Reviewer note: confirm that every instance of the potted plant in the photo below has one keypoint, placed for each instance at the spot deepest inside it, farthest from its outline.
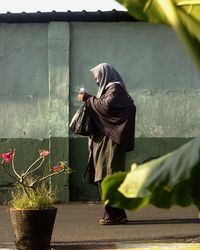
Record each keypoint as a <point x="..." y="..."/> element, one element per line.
<point x="32" y="212"/>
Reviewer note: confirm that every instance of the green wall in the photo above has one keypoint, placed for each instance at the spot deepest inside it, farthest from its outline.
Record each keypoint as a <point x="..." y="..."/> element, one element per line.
<point x="160" y="77"/>
<point x="34" y="90"/>
<point x="43" y="66"/>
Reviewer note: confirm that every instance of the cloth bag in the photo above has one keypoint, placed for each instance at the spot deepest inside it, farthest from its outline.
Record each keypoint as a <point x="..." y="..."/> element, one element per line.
<point x="81" y="123"/>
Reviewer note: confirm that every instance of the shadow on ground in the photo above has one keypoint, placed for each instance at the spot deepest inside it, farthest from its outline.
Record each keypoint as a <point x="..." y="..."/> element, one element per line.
<point x="168" y="221"/>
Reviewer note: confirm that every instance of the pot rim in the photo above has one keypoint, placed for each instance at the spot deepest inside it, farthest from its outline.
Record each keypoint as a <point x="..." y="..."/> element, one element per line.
<point x="50" y="208"/>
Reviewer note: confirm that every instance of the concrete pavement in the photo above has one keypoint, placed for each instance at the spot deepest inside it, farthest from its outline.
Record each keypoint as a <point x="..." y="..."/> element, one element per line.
<point x="77" y="227"/>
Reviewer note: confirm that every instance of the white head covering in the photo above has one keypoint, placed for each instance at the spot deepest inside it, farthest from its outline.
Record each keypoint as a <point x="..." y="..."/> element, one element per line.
<point x="107" y="76"/>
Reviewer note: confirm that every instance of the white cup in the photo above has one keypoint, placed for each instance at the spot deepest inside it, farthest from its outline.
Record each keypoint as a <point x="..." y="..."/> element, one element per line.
<point x="82" y="90"/>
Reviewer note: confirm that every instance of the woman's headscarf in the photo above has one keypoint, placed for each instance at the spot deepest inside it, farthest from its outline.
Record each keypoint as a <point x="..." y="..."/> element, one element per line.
<point x="107" y="75"/>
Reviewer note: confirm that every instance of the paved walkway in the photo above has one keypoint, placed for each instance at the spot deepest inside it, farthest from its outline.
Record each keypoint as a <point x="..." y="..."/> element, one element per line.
<point x="76" y="227"/>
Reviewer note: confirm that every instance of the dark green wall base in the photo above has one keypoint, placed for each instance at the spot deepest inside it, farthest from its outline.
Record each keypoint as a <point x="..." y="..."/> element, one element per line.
<point x="73" y="187"/>
<point x="145" y="148"/>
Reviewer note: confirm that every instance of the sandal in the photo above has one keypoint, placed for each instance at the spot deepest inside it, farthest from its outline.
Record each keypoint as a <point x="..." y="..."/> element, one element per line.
<point x="114" y="221"/>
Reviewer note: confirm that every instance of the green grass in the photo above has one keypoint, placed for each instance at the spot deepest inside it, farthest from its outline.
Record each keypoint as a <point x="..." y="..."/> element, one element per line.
<point x="41" y="198"/>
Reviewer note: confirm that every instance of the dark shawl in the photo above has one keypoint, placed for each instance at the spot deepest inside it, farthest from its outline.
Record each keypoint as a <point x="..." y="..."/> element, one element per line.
<point x="113" y="110"/>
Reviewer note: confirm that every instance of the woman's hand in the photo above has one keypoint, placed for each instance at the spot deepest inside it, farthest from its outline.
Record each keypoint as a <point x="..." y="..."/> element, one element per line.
<point x="83" y="96"/>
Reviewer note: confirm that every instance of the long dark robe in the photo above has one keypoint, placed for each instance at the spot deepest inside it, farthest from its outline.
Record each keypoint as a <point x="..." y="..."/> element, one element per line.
<point x="114" y="115"/>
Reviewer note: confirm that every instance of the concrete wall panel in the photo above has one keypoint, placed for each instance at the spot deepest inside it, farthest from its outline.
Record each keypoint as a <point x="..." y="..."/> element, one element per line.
<point x="42" y="67"/>
<point x="159" y="76"/>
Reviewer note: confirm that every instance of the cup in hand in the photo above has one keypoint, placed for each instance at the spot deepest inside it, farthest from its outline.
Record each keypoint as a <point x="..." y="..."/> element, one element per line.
<point x="82" y="90"/>
<point x="81" y="94"/>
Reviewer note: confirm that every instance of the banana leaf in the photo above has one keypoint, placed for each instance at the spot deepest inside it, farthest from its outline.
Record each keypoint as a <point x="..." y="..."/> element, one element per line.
<point x="182" y="15"/>
<point x="172" y="179"/>
<point x="112" y="197"/>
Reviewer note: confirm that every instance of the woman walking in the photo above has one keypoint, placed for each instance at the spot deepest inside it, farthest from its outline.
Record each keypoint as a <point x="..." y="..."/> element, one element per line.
<point x="113" y="113"/>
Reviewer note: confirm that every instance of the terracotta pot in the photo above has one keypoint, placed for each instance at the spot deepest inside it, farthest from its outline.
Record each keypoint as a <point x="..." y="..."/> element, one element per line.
<point x="33" y="228"/>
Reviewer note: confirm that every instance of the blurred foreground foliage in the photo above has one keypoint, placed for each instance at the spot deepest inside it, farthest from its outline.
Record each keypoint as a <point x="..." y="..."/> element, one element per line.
<point x="174" y="178"/>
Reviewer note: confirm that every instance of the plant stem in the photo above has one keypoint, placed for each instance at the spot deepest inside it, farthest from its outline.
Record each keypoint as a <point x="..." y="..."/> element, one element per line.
<point x="46" y="177"/>
<point x="32" y="165"/>
<point x="13" y="167"/>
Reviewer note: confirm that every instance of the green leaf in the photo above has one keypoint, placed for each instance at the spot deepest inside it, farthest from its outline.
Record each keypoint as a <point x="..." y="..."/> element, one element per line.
<point x="190" y="7"/>
<point x="163" y="198"/>
<point x="182" y="16"/>
<point x="112" y="197"/>
<point x="135" y="184"/>
<point x="135" y="8"/>
<point x="167" y="178"/>
<point x="153" y="10"/>
<point x="172" y="179"/>
<point x="186" y="27"/>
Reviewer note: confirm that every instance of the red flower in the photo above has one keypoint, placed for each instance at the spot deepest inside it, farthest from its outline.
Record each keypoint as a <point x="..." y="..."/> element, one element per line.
<point x="56" y="168"/>
<point x="44" y="152"/>
<point x="8" y="157"/>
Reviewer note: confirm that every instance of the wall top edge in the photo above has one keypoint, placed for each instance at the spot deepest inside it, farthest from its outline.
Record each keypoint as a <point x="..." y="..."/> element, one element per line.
<point x="68" y="16"/>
